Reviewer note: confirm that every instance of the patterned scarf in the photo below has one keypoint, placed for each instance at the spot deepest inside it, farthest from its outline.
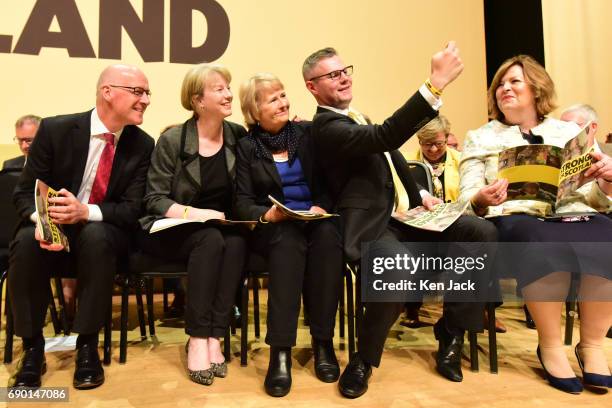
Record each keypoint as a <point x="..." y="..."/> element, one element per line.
<point x="437" y="169"/>
<point x="267" y="144"/>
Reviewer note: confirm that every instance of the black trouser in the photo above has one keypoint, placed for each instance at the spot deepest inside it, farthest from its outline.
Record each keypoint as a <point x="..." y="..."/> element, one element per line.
<point x="300" y="256"/>
<point x="380" y="316"/>
<point x="215" y="260"/>
<point x="94" y="250"/>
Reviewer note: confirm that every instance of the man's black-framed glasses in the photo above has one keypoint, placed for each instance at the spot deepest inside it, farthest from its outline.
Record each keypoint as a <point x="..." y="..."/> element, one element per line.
<point x="136" y="90"/>
<point x="334" y="75"/>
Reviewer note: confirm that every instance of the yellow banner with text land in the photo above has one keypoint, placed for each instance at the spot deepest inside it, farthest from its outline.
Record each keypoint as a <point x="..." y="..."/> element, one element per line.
<point x="52" y="51"/>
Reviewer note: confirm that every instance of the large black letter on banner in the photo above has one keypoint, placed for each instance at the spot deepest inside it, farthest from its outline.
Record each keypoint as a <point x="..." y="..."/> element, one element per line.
<point x="217" y="38"/>
<point x="147" y="35"/>
<point x="72" y="35"/>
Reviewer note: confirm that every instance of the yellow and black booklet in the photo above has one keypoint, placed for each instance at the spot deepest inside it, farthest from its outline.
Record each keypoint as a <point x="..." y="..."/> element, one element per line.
<point x="546" y="173"/>
<point x="49" y="231"/>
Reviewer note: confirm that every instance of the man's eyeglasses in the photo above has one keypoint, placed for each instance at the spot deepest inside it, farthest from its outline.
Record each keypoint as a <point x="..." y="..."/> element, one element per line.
<point x="136" y="90"/>
<point x="334" y="75"/>
<point x="438" y="145"/>
<point x="19" y="141"/>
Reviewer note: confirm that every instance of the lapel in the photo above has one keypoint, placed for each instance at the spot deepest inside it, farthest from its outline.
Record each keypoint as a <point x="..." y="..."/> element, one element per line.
<point x="189" y="153"/>
<point x="272" y="171"/>
<point x="229" y="144"/>
<point x="303" y="152"/>
<point x="122" y="154"/>
<point x="80" y="148"/>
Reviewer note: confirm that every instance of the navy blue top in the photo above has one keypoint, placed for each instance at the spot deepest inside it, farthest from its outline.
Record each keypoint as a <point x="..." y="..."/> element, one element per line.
<point x="296" y="191"/>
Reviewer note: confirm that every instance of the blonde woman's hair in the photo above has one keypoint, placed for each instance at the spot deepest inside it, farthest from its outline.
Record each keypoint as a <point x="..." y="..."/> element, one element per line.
<point x="195" y="80"/>
<point x="249" y="95"/>
<point x="430" y="131"/>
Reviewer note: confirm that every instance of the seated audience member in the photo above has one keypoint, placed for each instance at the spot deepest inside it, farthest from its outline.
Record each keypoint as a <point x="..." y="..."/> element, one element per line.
<point x="192" y="177"/>
<point x="443" y="163"/>
<point x="25" y="132"/>
<point x="100" y="176"/>
<point x="362" y="167"/>
<point x="277" y="159"/>
<point x="453" y="142"/>
<point x="581" y="114"/>
<point x="520" y="96"/>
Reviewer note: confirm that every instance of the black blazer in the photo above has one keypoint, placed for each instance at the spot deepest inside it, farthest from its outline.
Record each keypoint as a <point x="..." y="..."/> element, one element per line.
<point x="16" y="163"/>
<point x="174" y="175"/>
<point x="256" y="178"/>
<point x="58" y="157"/>
<point x="358" y="174"/>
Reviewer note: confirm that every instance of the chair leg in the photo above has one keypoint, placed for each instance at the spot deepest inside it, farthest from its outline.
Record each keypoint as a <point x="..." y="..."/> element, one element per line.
<point x="62" y="304"/>
<point x="350" y="307"/>
<point x="341" y="311"/>
<point x="54" y="316"/>
<point x="570" y="307"/>
<point x="140" y="309"/>
<point x="358" y="304"/>
<point x="150" y="311"/>
<point x="492" y="339"/>
<point x="165" y="298"/>
<point x="256" y="306"/>
<point x="125" y="294"/>
<point x="8" y="344"/>
<point x="473" y="339"/>
<point x="107" y="335"/>
<point x="244" y="322"/>
<point x="227" y="350"/>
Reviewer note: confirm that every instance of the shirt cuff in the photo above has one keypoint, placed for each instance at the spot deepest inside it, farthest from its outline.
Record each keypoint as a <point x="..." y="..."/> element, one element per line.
<point x="34" y="217"/>
<point x="432" y="100"/>
<point x="423" y="193"/>
<point x="95" y="213"/>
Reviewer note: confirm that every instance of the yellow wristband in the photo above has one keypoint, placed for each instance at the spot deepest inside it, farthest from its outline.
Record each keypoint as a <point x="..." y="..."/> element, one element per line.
<point x="432" y="89"/>
<point x="185" y="211"/>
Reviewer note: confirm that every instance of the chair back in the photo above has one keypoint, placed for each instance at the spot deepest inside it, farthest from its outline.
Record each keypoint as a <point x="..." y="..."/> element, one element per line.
<point x="8" y="214"/>
<point x="421" y="174"/>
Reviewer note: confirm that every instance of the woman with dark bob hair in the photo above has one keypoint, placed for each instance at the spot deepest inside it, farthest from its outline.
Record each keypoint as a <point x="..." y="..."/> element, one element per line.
<point x="277" y="159"/>
<point x="520" y="96"/>
<point x="192" y="177"/>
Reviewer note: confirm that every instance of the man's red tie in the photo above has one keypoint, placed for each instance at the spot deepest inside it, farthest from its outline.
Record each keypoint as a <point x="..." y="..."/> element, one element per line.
<point x="105" y="165"/>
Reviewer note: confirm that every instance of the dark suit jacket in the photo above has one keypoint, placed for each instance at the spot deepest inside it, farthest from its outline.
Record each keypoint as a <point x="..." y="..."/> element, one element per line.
<point x="58" y="157"/>
<point x="174" y="176"/>
<point x="16" y="163"/>
<point x="257" y="178"/>
<point x="358" y="174"/>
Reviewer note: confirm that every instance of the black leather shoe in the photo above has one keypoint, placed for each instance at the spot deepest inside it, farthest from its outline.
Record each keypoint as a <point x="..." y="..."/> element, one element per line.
<point x="528" y="320"/>
<point x="88" y="372"/>
<point x="354" y="380"/>
<point x="31" y="367"/>
<point x="448" y="360"/>
<point x="327" y="368"/>
<point x="278" y="378"/>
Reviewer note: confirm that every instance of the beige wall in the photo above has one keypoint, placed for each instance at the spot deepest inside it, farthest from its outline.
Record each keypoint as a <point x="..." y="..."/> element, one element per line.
<point x="390" y="42"/>
<point x="577" y="36"/>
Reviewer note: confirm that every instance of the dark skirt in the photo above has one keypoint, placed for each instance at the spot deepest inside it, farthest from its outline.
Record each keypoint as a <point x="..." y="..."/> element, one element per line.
<point x="543" y="247"/>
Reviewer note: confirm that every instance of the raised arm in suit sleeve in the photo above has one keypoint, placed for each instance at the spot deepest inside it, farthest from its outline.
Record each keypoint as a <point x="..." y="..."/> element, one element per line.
<point x="341" y="136"/>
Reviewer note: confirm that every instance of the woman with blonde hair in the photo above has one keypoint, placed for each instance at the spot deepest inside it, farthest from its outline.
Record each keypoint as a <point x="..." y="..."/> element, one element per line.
<point x="192" y="177"/>
<point x="520" y="96"/>
<point x="277" y="159"/>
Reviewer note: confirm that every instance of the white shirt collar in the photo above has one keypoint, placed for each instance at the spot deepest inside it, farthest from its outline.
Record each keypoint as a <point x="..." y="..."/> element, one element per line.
<point x="98" y="128"/>
<point x="340" y="111"/>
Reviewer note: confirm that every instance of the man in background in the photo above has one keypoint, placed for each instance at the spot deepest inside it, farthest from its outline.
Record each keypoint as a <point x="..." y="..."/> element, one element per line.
<point x="25" y="131"/>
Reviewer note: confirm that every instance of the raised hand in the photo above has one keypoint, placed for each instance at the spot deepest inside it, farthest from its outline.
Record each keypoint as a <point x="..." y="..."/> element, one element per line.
<point x="446" y="66"/>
